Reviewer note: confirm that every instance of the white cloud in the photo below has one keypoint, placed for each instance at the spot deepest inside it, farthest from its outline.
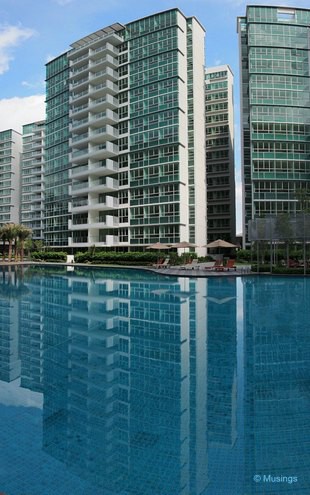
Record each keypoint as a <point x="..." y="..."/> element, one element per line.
<point x="16" y="112"/>
<point x="10" y="37"/>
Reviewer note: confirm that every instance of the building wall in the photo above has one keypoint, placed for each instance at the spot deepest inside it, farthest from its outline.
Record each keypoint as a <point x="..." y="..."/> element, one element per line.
<point x="32" y="179"/>
<point x="274" y="48"/>
<point x="220" y="154"/>
<point x="135" y="146"/>
<point x="10" y="150"/>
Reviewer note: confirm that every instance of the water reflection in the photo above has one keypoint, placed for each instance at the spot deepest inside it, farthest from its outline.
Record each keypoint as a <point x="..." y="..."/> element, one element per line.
<point x="152" y="385"/>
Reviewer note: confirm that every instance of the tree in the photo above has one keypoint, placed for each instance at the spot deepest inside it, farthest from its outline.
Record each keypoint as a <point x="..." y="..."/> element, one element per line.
<point x="22" y="234"/>
<point x="303" y="197"/>
<point x="2" y="236"/>
<point x="9" y="232"/>
<point x="284" y="231"/>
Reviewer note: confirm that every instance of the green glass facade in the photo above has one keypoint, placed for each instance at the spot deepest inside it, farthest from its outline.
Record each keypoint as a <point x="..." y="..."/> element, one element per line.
<point x="275" y="94"/>
<point x="154" y="128"/>
<point x="56" y="173"/>
<point x="220" y="154"/>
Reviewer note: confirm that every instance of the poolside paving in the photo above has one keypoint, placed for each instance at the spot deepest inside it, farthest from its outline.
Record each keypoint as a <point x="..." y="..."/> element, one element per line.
<point x="174" y="271"/>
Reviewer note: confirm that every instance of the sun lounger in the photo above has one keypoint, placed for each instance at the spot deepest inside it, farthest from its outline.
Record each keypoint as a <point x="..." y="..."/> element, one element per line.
<point x="158" y="264"/>
<point x="191" y="266"/>
<point x="209" y="265"/>
<point x="218" y="266"/>
<point x="230" y="265"/>
<point x="165" y="264"/>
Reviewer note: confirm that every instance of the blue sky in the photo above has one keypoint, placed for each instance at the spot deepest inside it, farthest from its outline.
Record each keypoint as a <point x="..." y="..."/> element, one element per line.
<point x="34" y="31"/>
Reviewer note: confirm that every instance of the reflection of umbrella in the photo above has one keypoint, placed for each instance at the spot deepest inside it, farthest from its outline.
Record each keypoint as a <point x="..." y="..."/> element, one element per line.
<point x="220" y="243"/>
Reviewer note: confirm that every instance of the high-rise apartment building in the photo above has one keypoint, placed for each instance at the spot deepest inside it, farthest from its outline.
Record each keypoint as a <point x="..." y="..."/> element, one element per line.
<point x="56" y="155"/>
<point x="275" y="114"/>
<point x="130" y="168"/>
<point x="32" y="194"/>
<point x="220" y="154"/>
<point x="10" y="150"/>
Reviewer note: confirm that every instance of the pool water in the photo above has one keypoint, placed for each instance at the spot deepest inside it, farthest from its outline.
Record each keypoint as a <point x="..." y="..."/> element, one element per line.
<point x="127" y="382"/>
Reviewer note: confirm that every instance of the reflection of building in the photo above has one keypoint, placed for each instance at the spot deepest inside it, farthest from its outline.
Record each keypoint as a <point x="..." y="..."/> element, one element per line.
<point x="134" y="94"/>
<point x="130" y="386"/>
<point x="220" y="154"/>
<point x="222" y="361"/>
<point x="123" y="373"/>
<point x="9" y="326"/>
<point x="31" y="337"/>
<point x="274" y="73"/>
<point x="222" y="384"/>
<point x="276" y="401"/>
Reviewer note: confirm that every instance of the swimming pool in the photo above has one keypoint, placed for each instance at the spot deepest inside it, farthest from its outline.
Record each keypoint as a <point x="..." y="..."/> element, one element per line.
<point x="126" y="382"/>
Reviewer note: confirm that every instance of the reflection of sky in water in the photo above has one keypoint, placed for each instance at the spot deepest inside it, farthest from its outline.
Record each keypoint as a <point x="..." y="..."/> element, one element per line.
<point x="137" y="383"/>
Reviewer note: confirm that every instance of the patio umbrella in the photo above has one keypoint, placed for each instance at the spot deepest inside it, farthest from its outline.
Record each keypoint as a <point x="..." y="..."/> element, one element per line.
<point x="183" y="244"/>
<point x="220" y="243"/>
<point x="159" y="246"/>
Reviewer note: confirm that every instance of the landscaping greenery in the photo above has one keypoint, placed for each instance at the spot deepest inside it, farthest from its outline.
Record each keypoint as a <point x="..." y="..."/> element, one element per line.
<point x="49" y="256"/>
<point x="13" y="237"/>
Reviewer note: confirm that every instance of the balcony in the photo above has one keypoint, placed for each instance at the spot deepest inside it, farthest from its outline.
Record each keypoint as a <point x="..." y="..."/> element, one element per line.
<point x="109" y="222"/>
<point x="110" y="240"/>
<point x="79" y="155"/>
<point x="104" y="133"/>
<point x="79" y="70"/>
<point x="104" y="167"/>
<point x="106" y="61"/>
<point x="79" y="82"/>
<point x="78" y="96"/>
<point x="103" y="88"/>
<point x="105" y="150"/>
<point x="78" y="61"/>
<point x="106" y="48"/>
<point x="100" y="152"/>
<point x="76" y="124"/>
<point x="78" y="110"/>
<point x="83" y="206"/>
<point x="95" y="186"/>
<point x="100" y="104"/>
<point x="78" y="138"/>
<point x="103" y="75"/>
<point x="106" y="117"/>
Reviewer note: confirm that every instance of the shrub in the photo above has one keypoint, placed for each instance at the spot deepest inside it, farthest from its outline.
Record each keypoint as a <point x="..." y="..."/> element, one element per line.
<point x="243" y="255"/>
<point x="49" y="255"/>
<point x="279" y="270"/>
<point x="127" y="258"/>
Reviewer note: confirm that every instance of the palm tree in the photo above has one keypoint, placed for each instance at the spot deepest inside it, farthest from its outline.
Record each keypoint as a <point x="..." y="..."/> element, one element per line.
<point x="2" y="236"/>
<point x="22" y="234"/>
<point x="9" y="233"/>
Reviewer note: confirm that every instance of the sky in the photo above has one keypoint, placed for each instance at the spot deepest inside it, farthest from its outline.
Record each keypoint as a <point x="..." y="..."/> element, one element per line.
<point x="32" y="32"/>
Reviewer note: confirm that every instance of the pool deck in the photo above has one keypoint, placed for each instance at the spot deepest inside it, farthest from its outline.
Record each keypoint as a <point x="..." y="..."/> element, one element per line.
<point x="200" y="272"/>
<point x="173" y="271"/>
